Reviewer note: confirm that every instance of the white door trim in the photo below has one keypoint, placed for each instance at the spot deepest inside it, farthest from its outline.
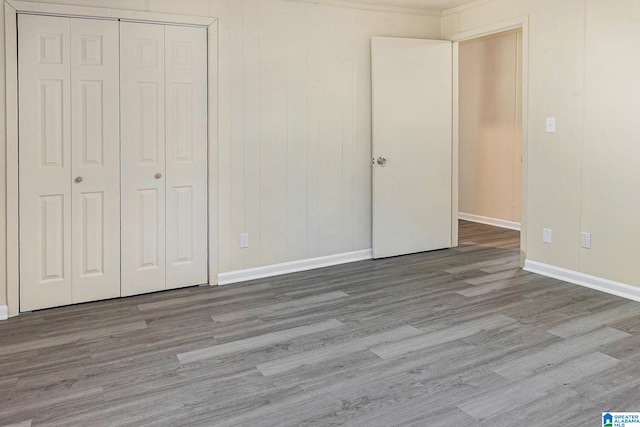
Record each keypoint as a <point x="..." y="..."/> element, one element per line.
<point x="9" y="218"/>
<point x="513" y="24"/>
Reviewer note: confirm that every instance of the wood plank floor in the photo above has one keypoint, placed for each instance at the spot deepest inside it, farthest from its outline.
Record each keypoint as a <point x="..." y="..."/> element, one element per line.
<point x="453" y="337"/>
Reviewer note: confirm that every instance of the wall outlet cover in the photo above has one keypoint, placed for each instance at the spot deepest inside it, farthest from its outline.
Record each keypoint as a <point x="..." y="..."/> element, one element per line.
<point x="244" y="240"/>
<point x="585" y="240"/>
<point x="546" y="235"/>
<point x="551" y="124"/>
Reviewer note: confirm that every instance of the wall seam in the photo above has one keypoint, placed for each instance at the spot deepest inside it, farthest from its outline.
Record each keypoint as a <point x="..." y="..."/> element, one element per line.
<point x="286" y="120"/>
<point x="515" y="127"/>
<point x="584" y="116"/>
<point x="244" y="134"/>
<point x="259" y="189"/>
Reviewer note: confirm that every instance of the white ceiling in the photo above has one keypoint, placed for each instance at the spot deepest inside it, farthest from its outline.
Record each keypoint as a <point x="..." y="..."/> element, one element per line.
<point x="435" y="5"/>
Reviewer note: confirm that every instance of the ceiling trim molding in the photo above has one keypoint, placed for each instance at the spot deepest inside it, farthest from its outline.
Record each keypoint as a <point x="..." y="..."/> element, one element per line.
<point x="465" y="7"/>
<point x="32" y="7"/>
<point x="374" y="7"/>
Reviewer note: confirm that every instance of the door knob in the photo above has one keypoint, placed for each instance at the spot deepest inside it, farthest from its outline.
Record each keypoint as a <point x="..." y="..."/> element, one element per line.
<point x="381" y="161"/>
<point x="158" y="175"/>
<point x="78" y="180"/>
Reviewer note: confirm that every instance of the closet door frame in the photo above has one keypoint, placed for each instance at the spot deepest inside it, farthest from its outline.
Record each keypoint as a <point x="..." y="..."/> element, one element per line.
<point x="9" y="217"/>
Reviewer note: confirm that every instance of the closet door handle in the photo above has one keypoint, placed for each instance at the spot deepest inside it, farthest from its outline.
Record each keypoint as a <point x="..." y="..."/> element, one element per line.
<point x="158" y="175"/>
<point x="78" y="180"/>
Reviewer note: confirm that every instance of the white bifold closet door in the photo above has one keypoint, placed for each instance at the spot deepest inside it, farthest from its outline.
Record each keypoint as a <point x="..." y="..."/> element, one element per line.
<point x="164" y="157"/>
<point x="69" y="161"/>
<point x="112" y="159"/>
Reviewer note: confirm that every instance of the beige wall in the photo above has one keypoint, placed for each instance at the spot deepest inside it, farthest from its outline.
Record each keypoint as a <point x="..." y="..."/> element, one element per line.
<point x="295" y="113"/>
<point x="296" y="127"/>
<point x="583" y="70"/>
<point x="490" y="125"/>
<point x="611" y="150"/>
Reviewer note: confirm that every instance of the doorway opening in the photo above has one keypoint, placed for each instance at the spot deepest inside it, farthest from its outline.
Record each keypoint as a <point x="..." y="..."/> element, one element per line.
<point x="490" y="136"/>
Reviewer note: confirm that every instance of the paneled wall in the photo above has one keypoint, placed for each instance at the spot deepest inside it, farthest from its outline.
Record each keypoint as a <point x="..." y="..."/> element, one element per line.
<point x="295" y="119"/>
<point x="296" y="134"/>
<point x="611" y="153"/>
<point x="490" y="126"/>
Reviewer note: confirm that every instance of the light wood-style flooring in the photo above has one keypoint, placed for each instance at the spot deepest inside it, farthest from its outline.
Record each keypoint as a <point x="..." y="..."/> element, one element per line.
<point x="459" y="337"/>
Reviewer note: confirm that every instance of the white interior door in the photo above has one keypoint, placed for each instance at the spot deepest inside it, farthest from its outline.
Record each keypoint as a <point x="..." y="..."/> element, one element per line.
<point x="186" y="183"/>
<point x="69" y="161"/>
<point x="412" y="145"/>
<point x="45" y="162"/>
<point x="142" y="95"/>
<point x="164" y="157"/>
<point x="95" y="160"/>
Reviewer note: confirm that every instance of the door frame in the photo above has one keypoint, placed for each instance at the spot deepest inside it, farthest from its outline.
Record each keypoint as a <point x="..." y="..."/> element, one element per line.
<point x="521" y="23"/>
<point x="11" y="218"/>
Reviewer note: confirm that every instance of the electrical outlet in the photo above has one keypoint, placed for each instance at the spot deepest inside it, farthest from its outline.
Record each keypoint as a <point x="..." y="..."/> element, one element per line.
<point x="244" y="240"/>
<point x="585" y="240"/>
<point x="546" y="235"/>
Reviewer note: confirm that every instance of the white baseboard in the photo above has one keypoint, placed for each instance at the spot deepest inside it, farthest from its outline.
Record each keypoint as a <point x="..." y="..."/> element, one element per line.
<point x="4" y="312"/>
<point x="292" y="267"/>
<point x="603" y="285"/>
<point x="490" y="221"/>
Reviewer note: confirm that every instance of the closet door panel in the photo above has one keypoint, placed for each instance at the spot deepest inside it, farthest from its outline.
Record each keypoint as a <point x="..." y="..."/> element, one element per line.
<point x="45" y="162"/>
<point x="95" y="113"/>
<point x="142" y="97"/>
<point x="186" y="121"/>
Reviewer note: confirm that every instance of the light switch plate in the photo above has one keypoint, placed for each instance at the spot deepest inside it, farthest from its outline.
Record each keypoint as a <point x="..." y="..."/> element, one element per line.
<point x="551" y="124"/>
<point x="546" y="235"/>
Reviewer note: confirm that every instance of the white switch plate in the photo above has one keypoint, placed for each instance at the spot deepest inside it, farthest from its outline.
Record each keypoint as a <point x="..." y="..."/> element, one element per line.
<point x="244" y="240"/>
<point x="585" y="240"/>
<point x="546" y="235"/>
<point x="551" y="124"/>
